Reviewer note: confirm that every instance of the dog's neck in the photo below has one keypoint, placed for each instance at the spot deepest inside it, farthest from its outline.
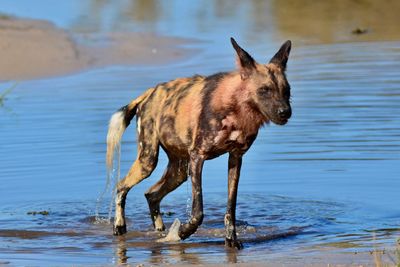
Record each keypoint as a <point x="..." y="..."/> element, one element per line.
<point x="234" y="94"/>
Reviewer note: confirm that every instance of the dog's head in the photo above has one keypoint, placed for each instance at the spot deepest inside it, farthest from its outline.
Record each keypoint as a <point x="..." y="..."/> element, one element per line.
<point x="267" y="85"/>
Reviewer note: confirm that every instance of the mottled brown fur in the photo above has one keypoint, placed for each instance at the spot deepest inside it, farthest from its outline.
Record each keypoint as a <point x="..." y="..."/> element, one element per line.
<point x="199" y="118"/>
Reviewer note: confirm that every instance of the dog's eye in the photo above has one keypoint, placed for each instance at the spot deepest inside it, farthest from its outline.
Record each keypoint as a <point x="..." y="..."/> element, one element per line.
<point x="264" y="91"/>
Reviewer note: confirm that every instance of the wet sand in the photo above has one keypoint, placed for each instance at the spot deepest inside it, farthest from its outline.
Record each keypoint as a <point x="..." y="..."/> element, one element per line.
<point x="32" y="49"/>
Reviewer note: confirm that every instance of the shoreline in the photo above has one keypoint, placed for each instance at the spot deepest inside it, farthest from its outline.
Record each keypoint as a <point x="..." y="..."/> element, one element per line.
<point x="32" y="49"/>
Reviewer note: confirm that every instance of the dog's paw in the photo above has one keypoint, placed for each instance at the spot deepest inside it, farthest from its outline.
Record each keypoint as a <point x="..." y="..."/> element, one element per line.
<point x="119" y="229"/>
<point x="160" y="229"/>
<point x="233" y="243"/>
<point x="173" y="232"/>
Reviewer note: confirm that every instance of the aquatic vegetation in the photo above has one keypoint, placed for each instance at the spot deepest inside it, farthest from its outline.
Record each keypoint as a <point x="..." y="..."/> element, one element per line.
<point x="359" y="31"/>
<point x="5" y="93"/>
<point x="4" y="16"/>
<point x="387" y="257"/>
<point x="43" y="212"/>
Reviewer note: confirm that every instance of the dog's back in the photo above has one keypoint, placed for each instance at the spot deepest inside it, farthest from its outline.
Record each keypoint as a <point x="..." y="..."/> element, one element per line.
<point x="172" y="111"/>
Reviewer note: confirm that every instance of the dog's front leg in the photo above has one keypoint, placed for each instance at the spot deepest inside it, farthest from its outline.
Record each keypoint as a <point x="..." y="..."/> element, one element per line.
<point x="234" y="165"/>
<point x="196" y="166"/>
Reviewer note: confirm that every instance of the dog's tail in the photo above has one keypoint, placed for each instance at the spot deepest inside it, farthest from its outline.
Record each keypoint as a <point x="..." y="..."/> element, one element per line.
<point x="119" y="121"/>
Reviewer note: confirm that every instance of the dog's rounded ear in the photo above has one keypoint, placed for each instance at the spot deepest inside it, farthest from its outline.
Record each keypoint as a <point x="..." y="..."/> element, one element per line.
<point x="244" y="61"/>
<point x="281" y="57"/>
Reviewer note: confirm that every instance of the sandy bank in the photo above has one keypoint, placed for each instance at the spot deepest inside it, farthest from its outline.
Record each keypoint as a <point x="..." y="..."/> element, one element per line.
<point x="33" y="48"/>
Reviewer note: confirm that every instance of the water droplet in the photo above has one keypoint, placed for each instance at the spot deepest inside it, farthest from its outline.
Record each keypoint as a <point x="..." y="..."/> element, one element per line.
<point x="189" y="198"/>
<point x="113" y="177"/>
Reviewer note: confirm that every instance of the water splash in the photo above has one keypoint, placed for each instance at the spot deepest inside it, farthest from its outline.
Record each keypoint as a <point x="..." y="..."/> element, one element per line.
<point x="173" y="232"/>
<point x="189" y="195"/>
<point x="117" y="178"/>
<point x="113" y="177"/>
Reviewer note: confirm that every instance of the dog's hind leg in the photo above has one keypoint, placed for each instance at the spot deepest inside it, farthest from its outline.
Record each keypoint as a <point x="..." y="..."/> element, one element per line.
<point x="173" y="177"/>
<point x="142" y="168"/>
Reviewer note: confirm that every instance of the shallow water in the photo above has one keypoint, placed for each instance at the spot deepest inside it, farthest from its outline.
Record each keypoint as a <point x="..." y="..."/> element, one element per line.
<point x="326" y="181"/>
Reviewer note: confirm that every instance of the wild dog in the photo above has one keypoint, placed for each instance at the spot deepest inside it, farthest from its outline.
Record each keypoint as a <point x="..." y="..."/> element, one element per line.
<point x="196" y="119"/>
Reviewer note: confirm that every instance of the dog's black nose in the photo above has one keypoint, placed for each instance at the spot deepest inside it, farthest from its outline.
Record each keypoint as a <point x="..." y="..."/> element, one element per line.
<point x="285" y="113"/>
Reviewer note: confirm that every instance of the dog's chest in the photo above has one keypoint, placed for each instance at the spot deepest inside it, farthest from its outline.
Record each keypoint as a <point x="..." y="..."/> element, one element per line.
<point x="234" y="134"/>
<point x="229" y="136"/>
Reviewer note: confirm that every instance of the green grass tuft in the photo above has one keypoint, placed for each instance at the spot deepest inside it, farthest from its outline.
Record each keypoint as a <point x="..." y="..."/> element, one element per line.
<point x="5" y="93"/>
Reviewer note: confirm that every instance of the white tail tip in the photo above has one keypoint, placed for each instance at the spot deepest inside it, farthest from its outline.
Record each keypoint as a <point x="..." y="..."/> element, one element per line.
<point x="114" y="135"/>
